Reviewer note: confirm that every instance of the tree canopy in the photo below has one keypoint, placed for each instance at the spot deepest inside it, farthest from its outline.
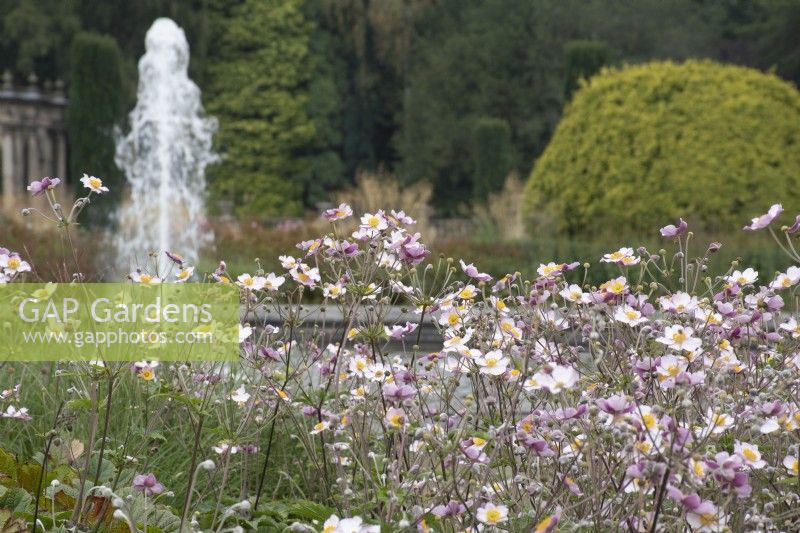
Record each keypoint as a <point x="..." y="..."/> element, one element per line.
<point x="258" y="75"/>
<point x="310" y="92"/>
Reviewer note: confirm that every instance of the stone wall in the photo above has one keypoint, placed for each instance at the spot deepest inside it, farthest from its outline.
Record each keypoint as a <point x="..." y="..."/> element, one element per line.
<point x="33" y="139"/>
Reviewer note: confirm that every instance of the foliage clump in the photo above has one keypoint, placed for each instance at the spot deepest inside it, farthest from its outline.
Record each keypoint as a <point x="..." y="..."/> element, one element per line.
<point x="583" y="59"/>
<point x="97" y="100"/>
<point x="257" y="88"/>
<point x="647" y="143"/>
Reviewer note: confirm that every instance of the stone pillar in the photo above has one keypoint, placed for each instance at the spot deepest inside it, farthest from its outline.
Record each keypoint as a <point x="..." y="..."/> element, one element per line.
<point x="45" y="142"/>
<point x="61" y="157"/>
<point x="20" y="163"/>
<point x="7" y="172"/>
<point x="34" y="169"/>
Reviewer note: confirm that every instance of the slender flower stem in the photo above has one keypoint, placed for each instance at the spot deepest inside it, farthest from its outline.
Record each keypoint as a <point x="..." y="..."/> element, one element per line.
<point x="105" y="429"/>
<point x="52" y="435"/>
<point x="187" y="502"/>
<point x="268" y="449"/>
<point x="76" y="513"/>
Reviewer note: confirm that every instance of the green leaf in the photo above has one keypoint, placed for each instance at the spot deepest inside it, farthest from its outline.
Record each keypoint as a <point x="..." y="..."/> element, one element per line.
<point x="12" y="524"/>
<point x="28" y="477"/>
<point x="79" y="404"/>
<point x="16" y="499"/>
<point x="275" y="509"/>
<point x="308" y="510"/>
<point x="8" y="465"/>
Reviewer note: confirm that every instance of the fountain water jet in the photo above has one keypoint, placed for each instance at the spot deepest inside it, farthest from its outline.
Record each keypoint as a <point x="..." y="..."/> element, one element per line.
<point x="165" y="154"/>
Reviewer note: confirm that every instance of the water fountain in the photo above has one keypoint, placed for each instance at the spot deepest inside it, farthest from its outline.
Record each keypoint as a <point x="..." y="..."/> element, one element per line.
<point x="165" y="154"/>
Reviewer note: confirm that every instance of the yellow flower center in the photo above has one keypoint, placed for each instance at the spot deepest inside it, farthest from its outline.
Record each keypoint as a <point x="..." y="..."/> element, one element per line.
<point x="491" y="361"/>
<point x="95" y="183"/>
<point x="649" y="420"/>
<point x="13" y="263"/>
<point x="493" y="516"/>
<point x="679" y="336"/>
<point x="373" y="221"/>
<point x="632" y="315"/>
<point x="145" y="278"/>
<point x="147" y="374"/>
<point x="616" y="287"/>
<point x="708" y="519"/>
<point x="749" y="454"/>
<point x="543" y="525"/>
<point x="396" y="420"/>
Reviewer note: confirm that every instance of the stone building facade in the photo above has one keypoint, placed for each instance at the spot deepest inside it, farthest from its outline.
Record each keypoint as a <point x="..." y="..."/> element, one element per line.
<point x="33" y="136"/>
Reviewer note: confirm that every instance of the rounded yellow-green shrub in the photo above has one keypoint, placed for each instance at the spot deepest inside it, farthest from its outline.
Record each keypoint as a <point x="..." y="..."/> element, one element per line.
<point x="642" y="145"/>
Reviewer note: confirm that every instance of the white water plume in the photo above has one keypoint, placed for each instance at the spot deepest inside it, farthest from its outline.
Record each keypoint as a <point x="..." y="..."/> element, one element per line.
<point x="165" y="154"/>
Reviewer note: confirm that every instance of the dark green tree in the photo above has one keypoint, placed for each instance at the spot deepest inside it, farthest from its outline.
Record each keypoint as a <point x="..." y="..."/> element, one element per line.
<point x="491" y="156"/>
<point x="97" y="104"/>
<point x="324" y="168"/>
<point x="583" y="59"/>
<point x="776" y="33"/>
<point x="35" y="36"/>
<point x="375" y="40"/>
<point x="129" y="21"/>
<point x="257" y="86"/>
<point x="497" y="58"/>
